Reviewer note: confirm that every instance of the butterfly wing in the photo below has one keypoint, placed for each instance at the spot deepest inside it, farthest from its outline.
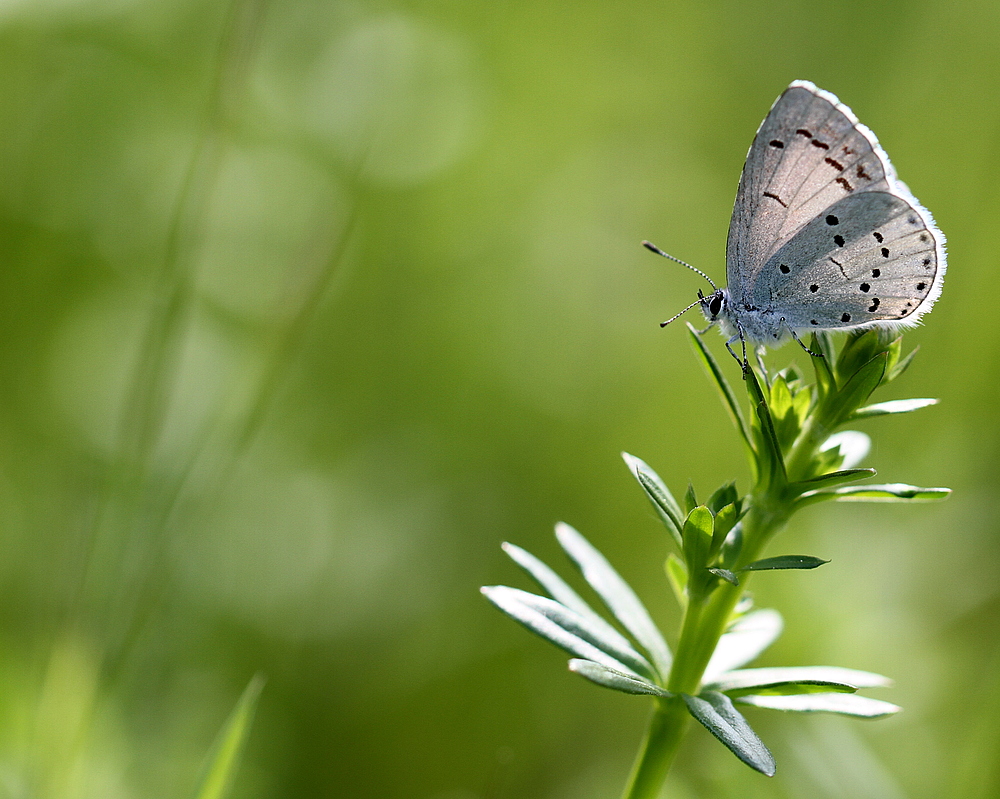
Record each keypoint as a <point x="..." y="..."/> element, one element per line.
<point x="811" y="161"/>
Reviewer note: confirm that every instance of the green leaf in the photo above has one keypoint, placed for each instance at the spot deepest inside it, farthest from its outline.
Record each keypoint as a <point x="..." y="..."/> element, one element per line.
<point x="770" y="449"/>
<point x="901" y="366"/>
<point x="678" y="576"/>
<point x="844" y="704"/>
<point x="859" y="348"/>
<point x="890" y="492"/>
<point x="748" y="679"/>
<point x="616" y="680"/>
<point x="783" y="412"/>
<point x="784" y="562"/>
<point x="724" y="495"/>
<point x="697" y="536"/>
<point x="664" y="504"/>
<point x="858" y="389"/>
<point x="564" y="628"/>
<point x="834" y="478"/>
<point x="892" y="406"/>
<point x="726" y="575"/>
<point x="746" y="638"/>
<point x="549" y="580"/>
<point x="224" y="757"/>
<point x="826" y="383"/>
<point x="567" y="597"/>
<point x="728" y="397"/>
<point x="690" y="500"/>
<point x="716" y="712"/>
<point x="617" y="595"/>
<point x="725" y="520"/>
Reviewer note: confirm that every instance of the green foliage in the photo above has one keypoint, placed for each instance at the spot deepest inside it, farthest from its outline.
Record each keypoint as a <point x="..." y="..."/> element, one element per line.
<point x="797" y="457"/>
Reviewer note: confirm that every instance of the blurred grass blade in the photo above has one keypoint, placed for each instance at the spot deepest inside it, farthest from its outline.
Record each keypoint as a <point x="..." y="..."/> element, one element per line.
<point x="784" y="562"/>
<point x="666" y="506"/>
<point x="743" y="641"/>
<point x="224" y="757"/>
<point x="892" y="406"/>
<point x="566" y="629"/>
<point x="853" y="679"/>
<point x="728" y="397"/>
<point x="617" y="595"/>
<point x="890" y="492"/>
<point x="562" y="593"/>
<point x="834" y="478"/>
<point x="716" y="712"/>
<point x="616" y="680"/>
<point x="844" y="704"/>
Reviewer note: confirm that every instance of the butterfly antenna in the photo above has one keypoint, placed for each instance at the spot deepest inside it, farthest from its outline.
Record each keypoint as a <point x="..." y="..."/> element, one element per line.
<point x="658" y="251"/>
<point x="677" y="315"/>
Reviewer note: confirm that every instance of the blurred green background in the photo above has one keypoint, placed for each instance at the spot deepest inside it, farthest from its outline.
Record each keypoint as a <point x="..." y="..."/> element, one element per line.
<point x="306" y="306"/>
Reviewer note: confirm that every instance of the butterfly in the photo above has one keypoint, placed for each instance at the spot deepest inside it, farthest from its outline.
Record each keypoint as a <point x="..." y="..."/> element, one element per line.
<point x="823" y="235"/>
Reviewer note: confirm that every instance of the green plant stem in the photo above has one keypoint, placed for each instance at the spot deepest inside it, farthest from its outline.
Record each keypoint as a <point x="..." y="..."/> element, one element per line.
<point x="667" y="728"/>
<point x="705" y="620"/>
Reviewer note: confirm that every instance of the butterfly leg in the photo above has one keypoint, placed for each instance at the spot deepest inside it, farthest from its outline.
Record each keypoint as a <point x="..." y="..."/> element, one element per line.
<point x="742" y="362"/>
<point x="799" y="342"/>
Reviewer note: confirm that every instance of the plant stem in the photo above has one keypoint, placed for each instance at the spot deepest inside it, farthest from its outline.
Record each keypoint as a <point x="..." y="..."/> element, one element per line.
<point x="705" y="620"/>
<point x="666" y="730"/>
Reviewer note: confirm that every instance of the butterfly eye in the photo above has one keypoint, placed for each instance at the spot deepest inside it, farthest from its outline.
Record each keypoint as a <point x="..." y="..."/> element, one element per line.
<point x="715" y="305"/>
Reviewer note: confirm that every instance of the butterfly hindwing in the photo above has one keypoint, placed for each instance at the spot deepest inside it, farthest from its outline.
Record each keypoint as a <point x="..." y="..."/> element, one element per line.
<point x="871" y="257"/>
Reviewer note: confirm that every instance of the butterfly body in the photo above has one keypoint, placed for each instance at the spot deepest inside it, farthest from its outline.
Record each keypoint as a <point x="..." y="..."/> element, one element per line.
<point x="823" y="235"/>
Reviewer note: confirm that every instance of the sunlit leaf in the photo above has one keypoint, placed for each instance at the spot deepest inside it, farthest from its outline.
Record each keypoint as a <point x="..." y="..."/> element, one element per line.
<point x="744" y="679"/>
<point x="831" y="479"/>
<point x="844" y="704"/>
<point x="566" y="629"/>
<point x="892" y="406"/>
<point x="664" y="504"/>
<point x="564" y="595"/>
<point x="617" y="595"/>
<point x="889" y="492"/>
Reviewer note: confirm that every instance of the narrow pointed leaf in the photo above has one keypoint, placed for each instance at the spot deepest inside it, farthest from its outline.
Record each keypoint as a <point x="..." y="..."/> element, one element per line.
<point x="556" y="587"/>
<point x="224" y="757"/>
<point x="664" y="504"/>
<point x="892" y="406"/>
<point x="567" y="629"/>
<point x="724" y="495"/>
<point x="831" y="479"/>
<point x="616" y="680"/>
<point x="784" y="562"/>
<point x="858" y="349"/>
<point x="617" y="595"/>
<point x="744" y="679"/>
<point x="844" y="704"/>
<point x="690" y="499"/>
<point x="826" y="383"/>
<point x="716" y="712"/>
<point x="890" y="492"/>
<point x="728" y="396"/>
<point x="562" y="593"/>
<point x="769" y="441"/>
<point x="902" y="365"/>
<point x="726" y="575"/>
<point x="743" y="641"/>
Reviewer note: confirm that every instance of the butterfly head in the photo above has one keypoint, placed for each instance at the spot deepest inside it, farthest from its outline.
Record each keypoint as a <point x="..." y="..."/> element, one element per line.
<point x="714" y="305"/>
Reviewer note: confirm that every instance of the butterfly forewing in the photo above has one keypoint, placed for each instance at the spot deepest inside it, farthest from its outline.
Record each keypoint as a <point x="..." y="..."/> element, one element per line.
<point x="809" y="153"/>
